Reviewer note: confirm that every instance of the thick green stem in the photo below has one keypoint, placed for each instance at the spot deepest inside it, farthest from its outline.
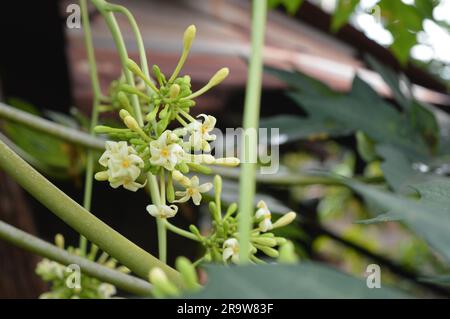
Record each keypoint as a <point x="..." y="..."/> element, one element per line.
<point x="87" y="200"/>
<point x="82" y="221"/>
<point x="71" y="135"/>
<point x="38" y="246"/>
<point x="247" y="183"/>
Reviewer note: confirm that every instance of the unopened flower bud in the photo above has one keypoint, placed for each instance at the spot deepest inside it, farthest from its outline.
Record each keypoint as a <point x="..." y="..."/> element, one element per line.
<point x="227" y="161"/>
<point x="287" y="254"/>
<point x="59" y="241"/>
<point x="101" y="176"/>
<point x="174" y="91"/>
<point x="269" y="251"/>
<point x="285" y="220"/>
<point x="189" y="36"/>
<point x="219" y="77"/>
<point x="265" y="241"/>
<point x="188" y="273"/>
<point x="162" y="286"/>
<point x="123" y="113"/>
<point x="131" y="123"/>
<point x="180" y="178"/>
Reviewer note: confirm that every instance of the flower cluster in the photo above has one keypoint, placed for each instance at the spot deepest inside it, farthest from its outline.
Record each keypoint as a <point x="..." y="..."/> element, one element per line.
<point x="64" y="281"/>
<point x="161" y="143"/>
<point x="222" y="244"/>
<point x="146" y="147"/>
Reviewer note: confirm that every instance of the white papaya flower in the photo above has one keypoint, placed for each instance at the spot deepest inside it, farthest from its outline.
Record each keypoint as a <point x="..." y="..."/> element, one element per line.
<point x="200" y="133"/>
<point x="124" y="166"/>
<point x="193" y="188"/>
<point x="231" y="250"/>
<point x="162" y="211"/>
<point x="263" y="212"/>
<point x="165" y="151"/>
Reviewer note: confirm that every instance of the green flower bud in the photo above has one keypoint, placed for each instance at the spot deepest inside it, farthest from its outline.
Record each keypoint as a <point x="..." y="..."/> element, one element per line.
<point x="101" y="129"/>
<point x="101" y="176"/>
<point x="59" y="241"/>
<point x="219" y="77"/>
<point x="200" y="168"/>
<point x="268" y="251"/>
<point x="93" y="252"/>
<point x="161" y="284"/>
<point x="152" y="115"/>
<point x="265" y="241"/>
<point x="123" y="113"/>
<point x="189" y="36"/>
<point x="188" y="273"/>
<point x="280" y="240"/>
<point x="124" y="102"/>
<point x="195" y="231"/>
<point x="214" y="211"/>
<point x="174" y="91"/>
<point x="159" y="75"/>
<point x="287" y="254"/>
<point x="131" y="123"/>
<point x="285" y="220"/>
<point x="231" y="210"/>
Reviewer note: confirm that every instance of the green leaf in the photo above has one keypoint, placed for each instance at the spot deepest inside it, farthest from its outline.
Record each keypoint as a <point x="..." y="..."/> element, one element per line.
<point x="429" y="217"/>
<point x="392" y="80"/>
<point x="306" y="280"/>
<point x="397" y="169"/>
<point x="343" y="12"/>
<point x="379" y="219"/>
<point x="424" y="121"/>
<point x="364" y="110"/>
<point x="293" y="128"/>
<point x="420" y="116"/>
<point x="301" y="82"/>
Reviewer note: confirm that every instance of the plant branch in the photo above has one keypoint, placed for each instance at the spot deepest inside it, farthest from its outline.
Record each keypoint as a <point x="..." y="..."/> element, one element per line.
<point x="38" y="246"/>
<point x="87" y="197"/>
<point x="116" y="245"/>
<point x="247" y="184"/>
<point x="35" y="122"/>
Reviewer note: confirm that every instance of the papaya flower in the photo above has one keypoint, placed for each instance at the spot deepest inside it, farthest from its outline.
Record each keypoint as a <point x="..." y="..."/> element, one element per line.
<point x="263" y="214"/>
<point x="123" y="166"/>
<point x="193" y="188"/>
<point x="165" y="151"/>
<point x="162" y="211"/>
<point x="231" y="250"/>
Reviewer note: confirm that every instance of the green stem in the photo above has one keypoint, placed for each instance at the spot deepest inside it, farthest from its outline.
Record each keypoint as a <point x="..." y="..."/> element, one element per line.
<point x="162" y="231"/>
<point x="42" y="125"/>
<point x="82" y="221"/>
<point x="97" y="94"/>
<point x="103" y="7"/>
<point x="116" y="34"/>
<point x="180" y="231"/>
<point x="294" y="179"/>
<point x="38" y="246"/>
<point x="247" y="183"/>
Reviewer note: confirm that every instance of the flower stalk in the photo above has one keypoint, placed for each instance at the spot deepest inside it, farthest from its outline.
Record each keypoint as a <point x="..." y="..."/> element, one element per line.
<point x="247" y="185"/>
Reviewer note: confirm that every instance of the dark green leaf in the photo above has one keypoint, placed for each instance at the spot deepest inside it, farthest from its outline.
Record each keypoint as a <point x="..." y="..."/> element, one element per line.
<point x="429" y="217"/>
<point x="306" y="280"/>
